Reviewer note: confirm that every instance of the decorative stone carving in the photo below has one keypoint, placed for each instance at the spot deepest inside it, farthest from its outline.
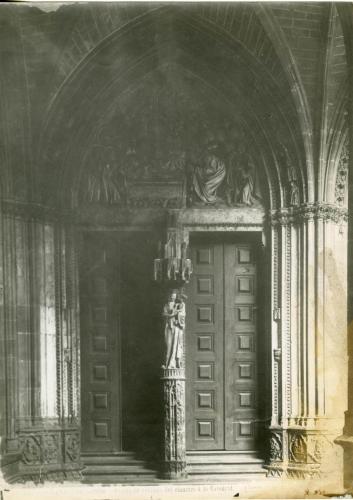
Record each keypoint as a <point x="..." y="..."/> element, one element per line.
<point x="149" y="202"/>
<point x="208" y="176"/>
<point x="107" y="183"/>
<point x="277" y="355"/>
<point x="50" y="448"/>
<point x="173" y="377"/>
<point x="174" y="318"/>
<point x="174" y="268"/>
<point x="294" y="193"/>
<point x="342" y="176"/>
<point x="31" y="450"/>
<point x="298" y="448"/>
<point x="172" y="265"/>
<point x="274" y="472"/>
<point x="300" y="453"/>
<point x="241" y="181"/>
<point x="40" y="449"/>
<point x="47" y="455"/>
<point x="275" y="452"/>
<point x="174" y="466"/>
<point x="306" y="473"/>
<point x="72" y="447"/>
<point x="222" y="177"/>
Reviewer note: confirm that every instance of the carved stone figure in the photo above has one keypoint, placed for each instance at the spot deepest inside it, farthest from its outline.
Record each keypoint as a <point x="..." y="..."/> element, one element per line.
<point x="342" y="177"/>
<point x="108" y="187"/>
<point x="247" y="179"/>
<point x="50" y="447"/>
<point x="208" y="176"/>
<point x="107" y="182"/>
<point x="275" y="448"/>
<point x="293" y="187"/>
<point x="174" y="316"/>
<point x="298" y="448"/>
<point x="31" y="451"/>
<point x="72" y="446"/>
<point x="241" y="180"/>
<point x="294" y="193"/>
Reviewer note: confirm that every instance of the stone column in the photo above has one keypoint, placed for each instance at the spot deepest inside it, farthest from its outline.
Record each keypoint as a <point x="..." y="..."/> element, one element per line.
<point x="309" y="366"/>
<point x="172" y="270"/>
<point x="40" y="434"/>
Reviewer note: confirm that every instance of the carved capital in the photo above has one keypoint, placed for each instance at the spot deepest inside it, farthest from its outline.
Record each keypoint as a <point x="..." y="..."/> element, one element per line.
<point x="308" y="211"/>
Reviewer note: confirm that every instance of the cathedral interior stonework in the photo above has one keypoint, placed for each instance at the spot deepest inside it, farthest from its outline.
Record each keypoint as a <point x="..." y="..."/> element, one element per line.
<point x="175" y="247"/>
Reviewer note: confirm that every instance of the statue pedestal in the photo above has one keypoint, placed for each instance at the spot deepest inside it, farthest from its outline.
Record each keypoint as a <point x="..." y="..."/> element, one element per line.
<point x="174" y="463"/>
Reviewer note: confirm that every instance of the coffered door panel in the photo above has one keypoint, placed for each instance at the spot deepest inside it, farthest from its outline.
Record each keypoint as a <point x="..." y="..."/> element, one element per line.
<point x="240" y="346"/>
<point x="100" y="354"/>
<point x="204" y="348"/>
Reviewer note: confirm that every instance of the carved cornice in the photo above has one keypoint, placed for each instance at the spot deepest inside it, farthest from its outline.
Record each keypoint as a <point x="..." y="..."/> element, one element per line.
<point x="306" y="212"/>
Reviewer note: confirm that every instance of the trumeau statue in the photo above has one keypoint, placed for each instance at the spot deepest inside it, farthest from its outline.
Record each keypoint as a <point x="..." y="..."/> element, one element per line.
<point x="174" y="317"/>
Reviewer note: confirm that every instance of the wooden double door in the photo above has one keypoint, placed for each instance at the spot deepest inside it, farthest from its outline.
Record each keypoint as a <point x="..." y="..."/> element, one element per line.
<point x="122" y="345"/>
<point x="222" y="389"/>
<point x="121" y="348"/>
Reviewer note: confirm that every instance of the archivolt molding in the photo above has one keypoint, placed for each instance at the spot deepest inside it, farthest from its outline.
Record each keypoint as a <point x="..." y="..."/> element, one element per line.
<point x="289" y="65"/>
<point x="337" y="151"/>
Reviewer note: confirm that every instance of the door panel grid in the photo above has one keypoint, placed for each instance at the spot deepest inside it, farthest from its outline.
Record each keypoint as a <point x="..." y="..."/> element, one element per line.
<point x="100" y="367"/>
<point x="221" y="347"/>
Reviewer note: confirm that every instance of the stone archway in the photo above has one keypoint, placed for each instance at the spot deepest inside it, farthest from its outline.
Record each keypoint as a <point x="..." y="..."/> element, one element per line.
<point x="229" y="81"/>
<point x="297" y="229"/>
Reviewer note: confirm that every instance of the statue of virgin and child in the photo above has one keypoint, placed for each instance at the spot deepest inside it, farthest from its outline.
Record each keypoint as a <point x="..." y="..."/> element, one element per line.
<point x="174" y="327"/>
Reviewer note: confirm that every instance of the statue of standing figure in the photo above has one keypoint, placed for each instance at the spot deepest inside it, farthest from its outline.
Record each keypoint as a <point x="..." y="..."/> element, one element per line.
<point x="174" y="317"/>
<point x="208" y="176"/>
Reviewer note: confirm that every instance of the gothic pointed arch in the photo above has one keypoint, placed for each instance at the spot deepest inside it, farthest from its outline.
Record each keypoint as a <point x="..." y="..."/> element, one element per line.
<point x="174" y="51"/>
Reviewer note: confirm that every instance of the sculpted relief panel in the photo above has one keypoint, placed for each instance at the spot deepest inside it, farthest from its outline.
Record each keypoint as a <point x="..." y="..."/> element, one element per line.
<point x="168" y="132"/>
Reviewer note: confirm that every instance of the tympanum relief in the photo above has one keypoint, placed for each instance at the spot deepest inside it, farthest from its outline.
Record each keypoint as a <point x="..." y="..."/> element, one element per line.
<point x="221" y="178"/>
<point x="167" y="131"/>
<point x="213" y="179"/>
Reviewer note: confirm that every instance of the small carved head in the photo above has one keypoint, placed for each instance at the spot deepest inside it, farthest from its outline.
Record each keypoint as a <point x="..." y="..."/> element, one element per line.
<point x="172" y="295"/>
